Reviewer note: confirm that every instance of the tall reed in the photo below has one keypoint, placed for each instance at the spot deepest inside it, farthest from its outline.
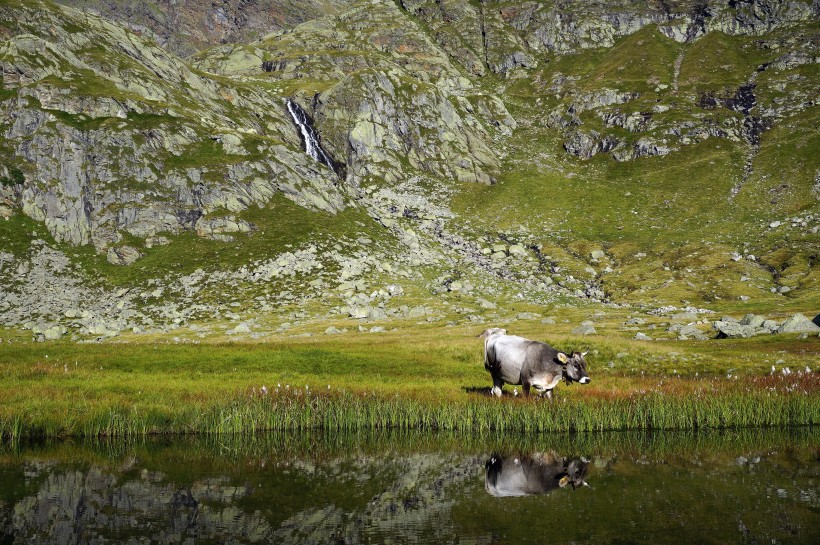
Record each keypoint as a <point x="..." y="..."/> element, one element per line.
<point x="351" y="411"/>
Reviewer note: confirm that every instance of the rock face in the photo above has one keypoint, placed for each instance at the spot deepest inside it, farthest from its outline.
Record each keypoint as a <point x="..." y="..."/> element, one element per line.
<point x="136" y="126"/>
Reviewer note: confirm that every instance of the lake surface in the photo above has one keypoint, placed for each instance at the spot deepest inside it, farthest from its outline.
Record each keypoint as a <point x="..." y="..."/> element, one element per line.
<point x="719" y="487"/>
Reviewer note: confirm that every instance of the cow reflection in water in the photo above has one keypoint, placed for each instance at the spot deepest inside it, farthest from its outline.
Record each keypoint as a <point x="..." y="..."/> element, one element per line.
<point x="527" y="475"/>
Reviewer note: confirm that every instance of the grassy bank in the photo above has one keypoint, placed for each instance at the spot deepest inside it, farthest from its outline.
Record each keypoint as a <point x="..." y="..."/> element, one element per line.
<point x="384" y="381"/>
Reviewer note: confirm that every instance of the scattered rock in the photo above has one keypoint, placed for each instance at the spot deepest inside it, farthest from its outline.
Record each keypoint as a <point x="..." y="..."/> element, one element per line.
<point x="642" y="337"/>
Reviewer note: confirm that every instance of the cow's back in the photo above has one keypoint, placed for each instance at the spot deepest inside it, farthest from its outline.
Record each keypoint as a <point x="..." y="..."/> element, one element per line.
<point x="510" y="353"/>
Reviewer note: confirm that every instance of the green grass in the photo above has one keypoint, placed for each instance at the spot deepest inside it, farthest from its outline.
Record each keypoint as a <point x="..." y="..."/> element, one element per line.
<point x="385" y="382"/>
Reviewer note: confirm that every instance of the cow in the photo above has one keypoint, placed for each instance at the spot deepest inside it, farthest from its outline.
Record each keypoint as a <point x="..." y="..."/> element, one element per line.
<point x="511" y="359"/>
<point x="536" y="474"/>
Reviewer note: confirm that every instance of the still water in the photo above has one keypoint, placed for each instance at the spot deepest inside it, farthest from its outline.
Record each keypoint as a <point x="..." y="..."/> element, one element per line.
<point x="718" y="487"/>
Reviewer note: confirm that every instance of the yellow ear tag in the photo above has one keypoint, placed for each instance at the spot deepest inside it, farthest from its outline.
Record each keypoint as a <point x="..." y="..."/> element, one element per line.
<point x="562" y="357"/>
<point x="564" y="481"/>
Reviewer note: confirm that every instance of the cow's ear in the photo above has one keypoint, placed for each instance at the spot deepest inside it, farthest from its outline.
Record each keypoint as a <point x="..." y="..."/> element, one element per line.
<point x="564" y="481"/>
<point x="562" y="357"/>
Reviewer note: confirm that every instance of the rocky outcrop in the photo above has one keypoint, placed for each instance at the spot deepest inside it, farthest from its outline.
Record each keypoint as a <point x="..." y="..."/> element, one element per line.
<point x="751" y="325"/>
<point x="393" y="121"/>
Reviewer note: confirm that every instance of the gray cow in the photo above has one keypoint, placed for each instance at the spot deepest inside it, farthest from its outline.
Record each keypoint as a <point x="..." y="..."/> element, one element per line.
<point x="536" y="474"/>
<point x="515" y="360"/>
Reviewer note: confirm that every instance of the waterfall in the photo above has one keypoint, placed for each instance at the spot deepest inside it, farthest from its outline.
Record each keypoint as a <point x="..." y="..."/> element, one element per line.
<point x="310" y="136"/>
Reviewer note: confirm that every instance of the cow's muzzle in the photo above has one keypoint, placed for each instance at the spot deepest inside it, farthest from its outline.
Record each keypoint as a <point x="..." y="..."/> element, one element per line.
<point x="585" y="380"/>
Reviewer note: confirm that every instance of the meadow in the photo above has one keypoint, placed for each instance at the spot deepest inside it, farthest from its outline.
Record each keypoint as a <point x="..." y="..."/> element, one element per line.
<point x="414" y="377"/>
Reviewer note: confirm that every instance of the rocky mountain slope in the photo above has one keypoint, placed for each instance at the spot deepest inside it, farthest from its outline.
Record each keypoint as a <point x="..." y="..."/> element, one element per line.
<point x="485" y="158"/>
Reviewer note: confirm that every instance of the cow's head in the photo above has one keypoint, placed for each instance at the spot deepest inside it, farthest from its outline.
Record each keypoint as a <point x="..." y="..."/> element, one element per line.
<point x="575" y="367"/>
<point x="492" y="331"/>
<point x="574" y="473"/>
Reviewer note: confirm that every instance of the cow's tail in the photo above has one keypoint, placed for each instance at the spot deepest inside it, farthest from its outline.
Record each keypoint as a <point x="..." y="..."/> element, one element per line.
<point x="490" y="361"/>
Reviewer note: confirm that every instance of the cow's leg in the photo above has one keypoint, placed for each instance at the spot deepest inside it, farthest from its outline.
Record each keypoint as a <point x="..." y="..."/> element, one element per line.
<point x="548" y="394"/>
<point x="526" y="387"/>
<point x="497" y="385"/>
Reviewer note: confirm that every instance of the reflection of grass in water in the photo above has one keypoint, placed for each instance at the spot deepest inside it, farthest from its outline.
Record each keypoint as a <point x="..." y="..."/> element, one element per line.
<point x="317" y="445"/>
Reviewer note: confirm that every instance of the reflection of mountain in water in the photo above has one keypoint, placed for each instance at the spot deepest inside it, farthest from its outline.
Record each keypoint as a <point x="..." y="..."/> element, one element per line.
<point x="743" y="487"/>
<point x="95" y="506"/>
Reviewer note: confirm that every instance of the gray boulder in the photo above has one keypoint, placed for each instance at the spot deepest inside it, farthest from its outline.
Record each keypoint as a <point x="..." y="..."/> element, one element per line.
<point x="54" y="332"/>
<point x="798" y="324"/>
<point x="733" y="330"/>
<point x="586" y="328"/>
<point x="753" y="320"/>
<point x="771" y="325"/>
<point x="691" y="332"/>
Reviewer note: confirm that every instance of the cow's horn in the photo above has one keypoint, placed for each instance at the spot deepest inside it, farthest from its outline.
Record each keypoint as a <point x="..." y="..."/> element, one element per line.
<point x="583" y="354"/>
